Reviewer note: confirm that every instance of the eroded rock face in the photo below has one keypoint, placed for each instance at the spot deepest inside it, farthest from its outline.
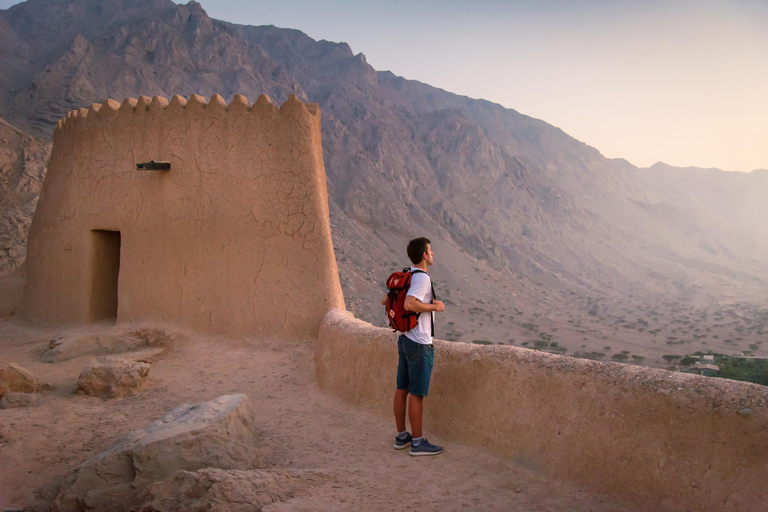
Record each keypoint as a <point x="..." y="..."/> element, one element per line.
<point x="15" y="378"/>
<point x="22" y="168"/>
<point x="72" y="345"/>
<point x="112" y="378"/>
<point x="216" y="434"/>
<point x="13" y="400"/>
<point x="236" y="491"/>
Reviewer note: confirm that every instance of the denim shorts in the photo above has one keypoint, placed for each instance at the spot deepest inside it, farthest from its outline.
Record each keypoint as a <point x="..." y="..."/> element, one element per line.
<point x="414" y="368"/>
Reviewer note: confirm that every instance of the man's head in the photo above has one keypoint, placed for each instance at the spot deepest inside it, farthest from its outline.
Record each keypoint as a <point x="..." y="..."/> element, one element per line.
<point x="419" y="250"/>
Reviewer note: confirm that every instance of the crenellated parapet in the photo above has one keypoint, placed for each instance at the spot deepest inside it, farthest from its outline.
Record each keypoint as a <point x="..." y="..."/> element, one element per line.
<point x="234" y="238"/>
<point x="216" y="108"/>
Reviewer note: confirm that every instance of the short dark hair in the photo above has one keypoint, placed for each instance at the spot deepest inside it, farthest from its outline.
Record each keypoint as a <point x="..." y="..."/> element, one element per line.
<point x="416" y="249"/>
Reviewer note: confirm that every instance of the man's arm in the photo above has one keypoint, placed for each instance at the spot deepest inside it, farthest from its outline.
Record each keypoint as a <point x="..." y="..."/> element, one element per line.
<point x="415" y="305"/>
<point x="384" y="300"/>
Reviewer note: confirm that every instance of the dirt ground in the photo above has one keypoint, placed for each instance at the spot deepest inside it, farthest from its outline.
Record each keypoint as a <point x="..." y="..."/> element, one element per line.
<point x="300" y="427"/>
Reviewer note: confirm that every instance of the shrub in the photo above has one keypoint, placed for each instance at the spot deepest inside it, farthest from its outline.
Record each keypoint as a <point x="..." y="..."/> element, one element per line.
<point x="589" y="355"/>
<point x="749" y="370"/>
<point x="620" y="357"/>
<point x="669" y="358"/>
<point x="639" y="359"/>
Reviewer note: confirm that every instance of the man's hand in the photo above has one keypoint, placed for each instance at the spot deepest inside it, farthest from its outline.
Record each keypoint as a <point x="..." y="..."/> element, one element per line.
<point x="439" y="306"/>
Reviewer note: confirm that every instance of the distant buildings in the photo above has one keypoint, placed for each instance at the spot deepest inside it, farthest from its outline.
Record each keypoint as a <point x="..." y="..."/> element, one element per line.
<point x="709" y="370"/>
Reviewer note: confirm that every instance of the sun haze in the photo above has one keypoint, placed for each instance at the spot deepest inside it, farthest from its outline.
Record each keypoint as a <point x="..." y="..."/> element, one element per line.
<point x="679" y="82"/>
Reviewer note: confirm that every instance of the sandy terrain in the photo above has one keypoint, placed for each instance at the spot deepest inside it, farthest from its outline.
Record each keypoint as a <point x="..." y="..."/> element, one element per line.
<point x="300" y="427"/>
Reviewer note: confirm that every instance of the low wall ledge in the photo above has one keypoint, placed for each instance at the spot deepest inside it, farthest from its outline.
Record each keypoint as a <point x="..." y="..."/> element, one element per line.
<point x="661" y="440"/>
<point x="716" y="392"/>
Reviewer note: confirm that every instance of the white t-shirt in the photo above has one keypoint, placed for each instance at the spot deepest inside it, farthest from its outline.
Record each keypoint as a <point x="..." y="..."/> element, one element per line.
<point x="421" y="288"/>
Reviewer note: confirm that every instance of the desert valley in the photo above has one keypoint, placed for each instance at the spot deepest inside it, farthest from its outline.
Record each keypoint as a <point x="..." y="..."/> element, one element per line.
<point x="298" y="175"/>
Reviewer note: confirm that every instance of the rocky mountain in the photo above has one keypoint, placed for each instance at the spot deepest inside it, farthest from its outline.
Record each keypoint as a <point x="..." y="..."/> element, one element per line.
<point x="22" y="167"/>
<point x="530" y="226"/>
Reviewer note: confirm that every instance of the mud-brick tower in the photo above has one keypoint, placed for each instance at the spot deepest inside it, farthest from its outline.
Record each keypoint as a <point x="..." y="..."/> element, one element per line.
<point x="233" y="238"/>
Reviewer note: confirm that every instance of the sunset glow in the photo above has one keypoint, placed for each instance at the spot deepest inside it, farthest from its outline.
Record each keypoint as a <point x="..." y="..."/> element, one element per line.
<point x="679" y="82"/>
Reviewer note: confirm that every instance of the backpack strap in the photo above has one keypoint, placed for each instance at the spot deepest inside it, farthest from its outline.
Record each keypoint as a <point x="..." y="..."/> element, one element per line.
<point x="434" y="298"/>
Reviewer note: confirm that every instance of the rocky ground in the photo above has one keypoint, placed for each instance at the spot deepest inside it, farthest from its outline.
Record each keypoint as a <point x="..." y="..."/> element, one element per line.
<point x="313" y="452"/>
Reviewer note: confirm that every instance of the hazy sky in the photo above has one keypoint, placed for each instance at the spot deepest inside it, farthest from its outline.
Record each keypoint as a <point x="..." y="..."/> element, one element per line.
<point x="684" y="82"/>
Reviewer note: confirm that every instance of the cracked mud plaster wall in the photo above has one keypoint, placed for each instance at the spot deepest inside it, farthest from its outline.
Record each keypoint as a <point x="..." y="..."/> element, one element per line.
<point x="235" y="238"/>
<point x="659" y="440"/>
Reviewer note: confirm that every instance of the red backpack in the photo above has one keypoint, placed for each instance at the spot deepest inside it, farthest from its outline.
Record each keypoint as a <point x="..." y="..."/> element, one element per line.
<point x="400" y="319"/>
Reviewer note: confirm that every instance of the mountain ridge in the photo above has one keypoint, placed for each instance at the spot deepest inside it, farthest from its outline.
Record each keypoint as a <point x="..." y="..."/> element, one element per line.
<point x="506" y="197"/>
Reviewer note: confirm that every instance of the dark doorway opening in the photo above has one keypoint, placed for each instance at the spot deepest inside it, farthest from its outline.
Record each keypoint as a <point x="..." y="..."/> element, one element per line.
<point x="106" y="268"/>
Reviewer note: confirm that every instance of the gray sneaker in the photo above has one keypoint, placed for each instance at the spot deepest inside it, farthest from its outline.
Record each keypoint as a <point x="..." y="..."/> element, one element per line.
<point x="425" y="448"/>
<point x="403" y="443"/>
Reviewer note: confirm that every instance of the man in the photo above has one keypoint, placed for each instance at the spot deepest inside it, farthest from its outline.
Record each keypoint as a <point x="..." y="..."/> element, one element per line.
<point x="417" y="355"/>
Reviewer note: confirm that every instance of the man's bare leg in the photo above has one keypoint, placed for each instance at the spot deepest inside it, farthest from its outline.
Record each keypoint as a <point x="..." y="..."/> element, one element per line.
<point x="414" y="414"/>
<point x="401" y="398"/>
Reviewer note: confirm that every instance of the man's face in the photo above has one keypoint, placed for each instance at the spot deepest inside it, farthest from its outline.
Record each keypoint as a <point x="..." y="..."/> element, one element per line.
<point x="429" y="256"/>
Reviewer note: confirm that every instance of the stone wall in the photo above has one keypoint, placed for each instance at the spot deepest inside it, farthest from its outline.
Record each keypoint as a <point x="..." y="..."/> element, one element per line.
<point x="235" y="238"/>
<point x="660" y="440"/>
